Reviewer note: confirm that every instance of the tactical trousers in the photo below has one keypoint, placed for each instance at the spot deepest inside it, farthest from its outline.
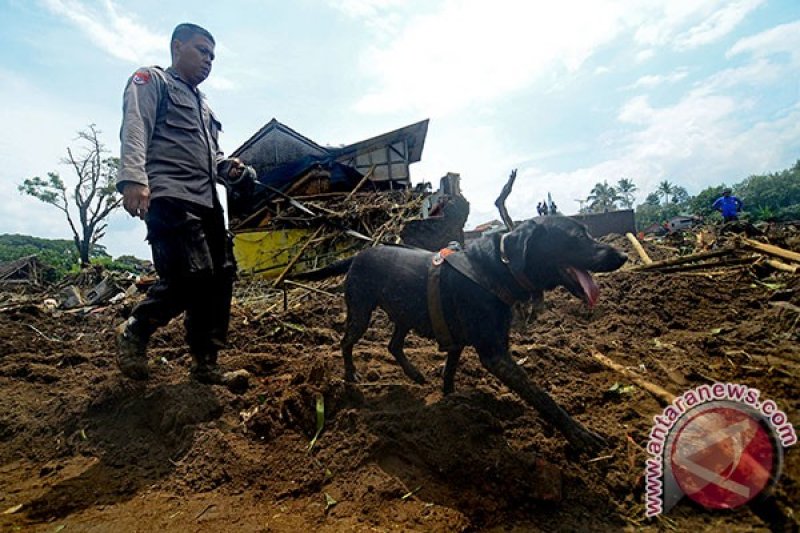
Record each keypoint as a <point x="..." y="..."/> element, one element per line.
<point x="193" y="255"/>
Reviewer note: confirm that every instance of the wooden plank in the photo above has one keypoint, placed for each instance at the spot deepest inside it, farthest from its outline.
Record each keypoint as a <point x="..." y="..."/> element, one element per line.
<point x="771" y="249"/>
<point x="780" y="265"/>
<point x="639" y="248"/>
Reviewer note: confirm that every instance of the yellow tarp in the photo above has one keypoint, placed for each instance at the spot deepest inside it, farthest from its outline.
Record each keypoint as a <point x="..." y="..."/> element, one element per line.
<point x="266" y="253"/>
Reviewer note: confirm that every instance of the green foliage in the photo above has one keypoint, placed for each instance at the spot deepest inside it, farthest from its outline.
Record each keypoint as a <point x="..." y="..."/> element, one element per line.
<point x="701" y="204"/>
<point x="603" y="197"/>
<point x="626" y="188"/>
<point x="771" y="197"/>
<point x="771" y="193"/>
<point x="653" y="199"/>
<point x="124" y="263"/>
<point x="49" y="191"/>
<point x="59" y="254"/>
<point x="665" y="189"/>
<point x="647" y="214"/>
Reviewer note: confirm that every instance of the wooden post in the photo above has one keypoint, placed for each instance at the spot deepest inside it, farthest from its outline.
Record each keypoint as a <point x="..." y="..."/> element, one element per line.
<point x="780" y="265"/>
<point x="639" y="248"/>
<point x="771" y="249"/>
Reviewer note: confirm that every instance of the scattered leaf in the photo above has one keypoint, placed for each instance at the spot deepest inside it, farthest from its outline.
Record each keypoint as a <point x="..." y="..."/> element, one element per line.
<point x="619" y="389"/>
<point x="329" y="501"/>
<point x="59" y="528"/>
<point x="409" y="494"/>
<point x="716" y="331"/>
<point x="320" y="420"/>
<point x="83" y="435"/>
<point x="12" y="510"/>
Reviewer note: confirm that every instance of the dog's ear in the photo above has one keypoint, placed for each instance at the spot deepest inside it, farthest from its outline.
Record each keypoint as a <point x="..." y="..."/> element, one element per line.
<point x="522" y="243"/>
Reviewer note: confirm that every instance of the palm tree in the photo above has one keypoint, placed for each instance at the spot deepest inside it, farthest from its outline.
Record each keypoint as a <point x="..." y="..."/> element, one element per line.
<point x="603" y="197"/>
<point x="665" y="189"/>
<point x="626" y="188"/>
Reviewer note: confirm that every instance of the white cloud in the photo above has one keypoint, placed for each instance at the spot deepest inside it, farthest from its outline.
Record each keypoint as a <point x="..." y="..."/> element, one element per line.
<point x="654" y="80"/>
<point x="644" y="55"/>
<point x="119" y="35"/>
<point x="470" y="51"/>
<point x="717" y="25"/>
<point x="708" y="21"/>
<point x="783" y="38"/>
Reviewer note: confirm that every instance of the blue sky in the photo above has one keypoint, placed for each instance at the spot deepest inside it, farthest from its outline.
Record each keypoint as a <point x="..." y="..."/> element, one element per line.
<point x="698" y="92"/>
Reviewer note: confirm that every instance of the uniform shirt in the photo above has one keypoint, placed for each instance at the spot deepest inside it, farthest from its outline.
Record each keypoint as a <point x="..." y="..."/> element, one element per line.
<point x="729" y="205"/>
<point x="169" y="138"/>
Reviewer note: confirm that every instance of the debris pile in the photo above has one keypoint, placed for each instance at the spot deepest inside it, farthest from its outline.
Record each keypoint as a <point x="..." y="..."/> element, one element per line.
<point x="285" y="233"/>
<point x="711" y="251"/>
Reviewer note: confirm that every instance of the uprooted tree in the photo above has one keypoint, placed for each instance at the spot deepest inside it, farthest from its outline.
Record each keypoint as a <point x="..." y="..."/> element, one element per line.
<point x="94" y="195"/>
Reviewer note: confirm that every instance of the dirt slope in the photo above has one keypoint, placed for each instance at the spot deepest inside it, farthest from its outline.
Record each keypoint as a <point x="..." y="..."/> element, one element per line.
<point x="88" y="450"/>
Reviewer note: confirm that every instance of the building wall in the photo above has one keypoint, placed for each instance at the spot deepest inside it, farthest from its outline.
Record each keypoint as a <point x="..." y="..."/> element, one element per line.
<point x="274" y="149"/>
<point x="600" y="224"/>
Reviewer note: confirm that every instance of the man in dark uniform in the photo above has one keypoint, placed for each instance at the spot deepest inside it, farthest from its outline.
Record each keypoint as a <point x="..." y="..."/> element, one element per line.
<point x="170" y="162"/>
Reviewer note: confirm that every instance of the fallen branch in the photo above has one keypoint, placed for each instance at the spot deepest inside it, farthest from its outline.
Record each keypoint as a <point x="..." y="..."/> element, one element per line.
<point x="500" y="203"/>
<point x="361" y="183"/>
<point x="309" y="288"/>
<point x="297" y="257"/>
<point x="725" y="262"/>
<point x="771" y="249"/>
<point x="656" y="390"/>
<point x="684" y="259"/>
<point x="639" y="248"/>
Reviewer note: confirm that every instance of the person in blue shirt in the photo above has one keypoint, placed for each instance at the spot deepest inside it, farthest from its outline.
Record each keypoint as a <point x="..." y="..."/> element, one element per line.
<point x="728" y="205"/>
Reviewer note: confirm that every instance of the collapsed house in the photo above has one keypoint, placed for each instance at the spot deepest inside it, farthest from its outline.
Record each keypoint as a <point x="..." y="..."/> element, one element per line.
<point x="25" y="271"/>
<point x="312" y="204"/>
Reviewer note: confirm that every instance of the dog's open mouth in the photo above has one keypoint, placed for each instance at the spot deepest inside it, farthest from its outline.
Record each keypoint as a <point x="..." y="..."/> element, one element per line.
<point x="581" y="284"/>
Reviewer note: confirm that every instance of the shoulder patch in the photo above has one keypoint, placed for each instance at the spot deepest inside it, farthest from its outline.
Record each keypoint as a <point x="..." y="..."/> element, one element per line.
<point x="141" y="77"/>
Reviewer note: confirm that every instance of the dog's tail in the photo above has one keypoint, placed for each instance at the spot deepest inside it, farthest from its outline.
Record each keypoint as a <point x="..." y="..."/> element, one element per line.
<point x="334" y="269"/>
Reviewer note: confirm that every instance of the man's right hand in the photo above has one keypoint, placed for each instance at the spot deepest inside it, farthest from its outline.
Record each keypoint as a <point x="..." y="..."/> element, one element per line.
<point x="136" y="199"/>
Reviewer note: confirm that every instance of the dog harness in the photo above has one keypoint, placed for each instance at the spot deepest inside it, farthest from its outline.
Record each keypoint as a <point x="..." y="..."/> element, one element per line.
<point x="458" y="260"/>
<point x="440" y="330"/>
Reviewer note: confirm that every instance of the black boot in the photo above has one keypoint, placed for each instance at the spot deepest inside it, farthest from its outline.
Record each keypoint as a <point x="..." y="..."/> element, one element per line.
<point x="132" y="351"/>
<point x="205" y="369"/>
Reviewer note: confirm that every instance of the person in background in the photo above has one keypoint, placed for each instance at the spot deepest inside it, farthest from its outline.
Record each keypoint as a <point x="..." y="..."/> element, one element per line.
<point x="728" y="205"/>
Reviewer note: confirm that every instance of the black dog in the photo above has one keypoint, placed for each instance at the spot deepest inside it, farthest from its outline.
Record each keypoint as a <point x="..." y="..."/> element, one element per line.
<point x="477" y="288"/>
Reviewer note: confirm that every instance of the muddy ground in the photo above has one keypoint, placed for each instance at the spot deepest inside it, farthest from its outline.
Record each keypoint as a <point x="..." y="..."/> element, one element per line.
<point x="82" y="449"/>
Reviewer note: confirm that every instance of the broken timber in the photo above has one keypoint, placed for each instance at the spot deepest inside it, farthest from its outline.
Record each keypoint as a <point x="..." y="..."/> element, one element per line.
<point x="639" y="248"/>
<point x="657" y="265"/>
<point x="771" y="249"/>
<point x="656" y="390"/>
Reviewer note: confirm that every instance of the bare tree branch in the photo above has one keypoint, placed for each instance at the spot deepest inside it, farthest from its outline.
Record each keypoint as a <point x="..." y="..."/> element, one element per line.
<point x="94" y="194"/>
<point x="501" y="200"/>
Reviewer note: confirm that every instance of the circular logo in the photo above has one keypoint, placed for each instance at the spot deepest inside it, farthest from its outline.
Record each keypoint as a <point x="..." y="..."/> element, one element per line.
<point x="723" y="456"/>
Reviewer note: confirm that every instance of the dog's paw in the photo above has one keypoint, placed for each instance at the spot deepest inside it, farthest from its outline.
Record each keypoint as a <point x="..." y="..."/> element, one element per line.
<point x="417" y="377"/>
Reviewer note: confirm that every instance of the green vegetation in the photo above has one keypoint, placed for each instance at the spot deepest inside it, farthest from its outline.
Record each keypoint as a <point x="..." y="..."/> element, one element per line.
<point x="770" y="197"/>
<point x="62" y="256"/>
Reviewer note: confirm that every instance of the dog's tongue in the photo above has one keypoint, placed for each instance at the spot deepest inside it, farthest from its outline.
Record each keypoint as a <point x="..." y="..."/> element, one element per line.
<point x="590" y="288"/>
